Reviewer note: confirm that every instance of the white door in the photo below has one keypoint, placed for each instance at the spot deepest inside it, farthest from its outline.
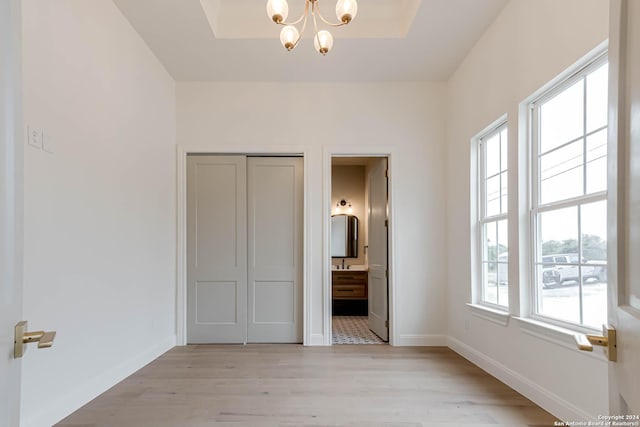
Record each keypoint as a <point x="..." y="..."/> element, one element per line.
<point x="216" y="249"/>
<point x="378" y="283"/>
<point x="11" y="171"/>
<point x="275" y="196"/>
<point x="624" y="278"/>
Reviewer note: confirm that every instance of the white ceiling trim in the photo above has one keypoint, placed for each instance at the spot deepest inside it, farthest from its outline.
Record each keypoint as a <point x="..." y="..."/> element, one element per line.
<point x="247" y="19"/>
<point x="194" y="42"/>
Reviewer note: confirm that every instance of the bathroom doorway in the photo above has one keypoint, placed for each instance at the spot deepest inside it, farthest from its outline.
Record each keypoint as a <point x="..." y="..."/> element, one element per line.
<point x="359" y="250"/>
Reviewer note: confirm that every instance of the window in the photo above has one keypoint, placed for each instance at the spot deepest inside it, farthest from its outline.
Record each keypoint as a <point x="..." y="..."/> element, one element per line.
<point x="492" y="214"/>
<point x="569" y="200"/>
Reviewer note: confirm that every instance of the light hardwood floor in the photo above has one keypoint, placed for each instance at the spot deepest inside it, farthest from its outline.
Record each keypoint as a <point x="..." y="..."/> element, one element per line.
<point x="292" y="385"/>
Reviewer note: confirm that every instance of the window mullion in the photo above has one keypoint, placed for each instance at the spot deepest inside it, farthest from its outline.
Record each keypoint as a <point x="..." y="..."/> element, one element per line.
<point x="561" y="146"/>
<point x="500" y="173"/>
<point x="483" y="181"/>
<point x="536" y="155"/>
<point x="584" y="192"/>
<point x="498" y="217"/>
<point x="497" y="264"/>
<point x="567" y="203"/>
<point x="584" y="134"/>
<point x="580" y="289"/>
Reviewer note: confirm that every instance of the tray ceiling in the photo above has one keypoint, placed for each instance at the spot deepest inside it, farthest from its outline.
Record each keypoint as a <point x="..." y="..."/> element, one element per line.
<point x="234" y="40"/>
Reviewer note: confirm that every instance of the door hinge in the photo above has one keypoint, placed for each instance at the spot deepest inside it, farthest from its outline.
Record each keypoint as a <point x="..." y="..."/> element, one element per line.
<point x="386" y="274"/>
<point x="386" y="173"/>
<point x="386" y="222"/>
<point x="386" y="323"/>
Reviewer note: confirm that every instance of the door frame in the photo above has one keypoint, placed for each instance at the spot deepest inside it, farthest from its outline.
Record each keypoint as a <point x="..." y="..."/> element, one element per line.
<point x="12" y="145"/>
<point x="615" y="179"/>
<point x="621" y="314"/>
<point x="182" y="151"/>
<point x="338" y="151"/>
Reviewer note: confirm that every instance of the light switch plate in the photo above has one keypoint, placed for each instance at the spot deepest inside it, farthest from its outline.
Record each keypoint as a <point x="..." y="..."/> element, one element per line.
<point x="35" y="137"/>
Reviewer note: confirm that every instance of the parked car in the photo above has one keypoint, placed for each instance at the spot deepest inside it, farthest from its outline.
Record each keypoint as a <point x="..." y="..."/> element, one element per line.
<point x="557" y="269"/>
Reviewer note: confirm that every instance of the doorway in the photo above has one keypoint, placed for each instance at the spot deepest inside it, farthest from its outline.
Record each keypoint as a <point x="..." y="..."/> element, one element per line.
<point x="359" y="250"/>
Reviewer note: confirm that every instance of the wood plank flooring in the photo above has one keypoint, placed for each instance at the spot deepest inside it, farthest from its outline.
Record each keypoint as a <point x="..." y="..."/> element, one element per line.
<point x="292" y="385"/>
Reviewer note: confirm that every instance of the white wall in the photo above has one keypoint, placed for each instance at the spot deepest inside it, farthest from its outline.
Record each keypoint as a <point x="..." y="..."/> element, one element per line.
<point x="529" y="44"/>
<point x="408" y="117"/>
<point x="99" y="210"/>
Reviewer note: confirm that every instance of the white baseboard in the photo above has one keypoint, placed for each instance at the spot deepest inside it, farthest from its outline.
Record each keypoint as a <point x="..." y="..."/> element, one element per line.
<point x="411" y="340"/>
<point x="316" y="339"/>
<point x="69" y="402"/>
<point x="544" y="398"/>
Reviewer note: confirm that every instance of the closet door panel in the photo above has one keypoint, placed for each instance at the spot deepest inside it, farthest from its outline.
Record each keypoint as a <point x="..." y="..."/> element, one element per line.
<point x="216" y="249"/>
<point x="275" y="205"/>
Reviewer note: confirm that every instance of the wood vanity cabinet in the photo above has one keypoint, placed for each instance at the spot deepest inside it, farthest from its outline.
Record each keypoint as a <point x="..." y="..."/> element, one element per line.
<point x="348" y="285"/>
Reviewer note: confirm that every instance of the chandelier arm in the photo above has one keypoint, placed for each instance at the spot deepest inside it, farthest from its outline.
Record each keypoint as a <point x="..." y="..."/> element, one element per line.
<point x="315" y="22"/>
<point x="332" y="24"/>
<point x="299" y="20"/>
<point x="304" y="26"/>
<point x="296" y="22"/>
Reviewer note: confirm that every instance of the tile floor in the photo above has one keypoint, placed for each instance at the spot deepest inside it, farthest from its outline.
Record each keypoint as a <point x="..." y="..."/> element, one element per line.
<point x="353" y="330"/>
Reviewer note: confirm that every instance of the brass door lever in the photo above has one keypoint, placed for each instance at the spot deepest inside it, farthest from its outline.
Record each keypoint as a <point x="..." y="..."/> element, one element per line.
<point x="22" y="338"/>
<point x="608" y="340"/>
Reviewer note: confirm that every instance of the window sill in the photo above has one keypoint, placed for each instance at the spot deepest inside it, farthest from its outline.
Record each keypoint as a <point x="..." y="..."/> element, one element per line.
<point x="557" y="335"/>
<point x="496" y="316"/>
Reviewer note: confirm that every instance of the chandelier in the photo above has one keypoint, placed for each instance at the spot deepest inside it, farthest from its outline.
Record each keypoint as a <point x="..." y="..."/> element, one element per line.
<point x="278" y="10"/>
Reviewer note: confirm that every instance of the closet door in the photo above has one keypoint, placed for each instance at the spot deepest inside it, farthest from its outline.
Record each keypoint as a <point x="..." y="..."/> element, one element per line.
<point x="275" y="206"/>
<point x="216" y="249"/>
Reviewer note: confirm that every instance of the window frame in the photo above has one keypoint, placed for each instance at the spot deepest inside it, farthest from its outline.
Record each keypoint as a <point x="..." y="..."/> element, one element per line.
<point x="536" y="208"/>
<point x="495" y="129"/>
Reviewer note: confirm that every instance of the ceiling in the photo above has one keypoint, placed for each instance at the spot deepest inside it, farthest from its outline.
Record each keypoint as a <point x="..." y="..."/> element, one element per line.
<point x="234" y="40"/>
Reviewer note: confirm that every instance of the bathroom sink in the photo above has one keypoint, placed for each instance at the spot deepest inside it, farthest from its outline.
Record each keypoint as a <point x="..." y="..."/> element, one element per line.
<point x="350" y="267"/>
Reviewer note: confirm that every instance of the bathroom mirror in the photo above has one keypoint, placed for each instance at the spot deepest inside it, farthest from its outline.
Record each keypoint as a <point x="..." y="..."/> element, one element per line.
<point x="344" y="236"/>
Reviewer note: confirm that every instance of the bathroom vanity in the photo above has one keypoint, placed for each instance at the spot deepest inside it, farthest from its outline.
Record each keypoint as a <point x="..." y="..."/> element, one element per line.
<point x="349" y="291"/>
<point x="349" y="284"/>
